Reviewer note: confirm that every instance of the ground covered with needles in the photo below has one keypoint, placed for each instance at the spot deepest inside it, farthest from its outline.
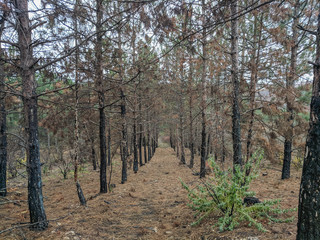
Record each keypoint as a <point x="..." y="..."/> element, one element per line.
<point x="151" y="205"/>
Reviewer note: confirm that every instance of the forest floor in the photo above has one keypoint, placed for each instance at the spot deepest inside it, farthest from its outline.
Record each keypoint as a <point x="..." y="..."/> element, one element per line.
<point x="152" y="204"/>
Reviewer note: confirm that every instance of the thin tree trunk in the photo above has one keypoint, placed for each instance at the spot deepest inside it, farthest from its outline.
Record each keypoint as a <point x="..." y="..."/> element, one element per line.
<point x="290" y="95"/>
<point x="145" y="149"/>
<point x="109" y="141"/>
<point x="170" y="138"/>
<point x="177" y="143"/>
<point x="76" y="129"/>
<point x="93" y="155"/>
<point x="30" y="101"/>
<point x="3" y="119"/>
<point x="309" y="203"/>
<point x="209" y="147"/>
<point x="204" y="94"/>
<point x="236" y="128"/>
<point x="124" y="137"/>
<point x="140" y="133"/>
<point x="148" y="136"/>
<point x="253" y="82"/>
<point x="135" y="150"/>
<point x="135" y="147"/>
<point x="3" y="137"/>
<point x="181" y="92"/>
<point x="101" y="97"/>
<point x="190" y="114"/>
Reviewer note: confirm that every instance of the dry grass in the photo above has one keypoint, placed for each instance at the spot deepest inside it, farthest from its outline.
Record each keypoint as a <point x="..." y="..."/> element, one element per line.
<point x="151" y="205"/>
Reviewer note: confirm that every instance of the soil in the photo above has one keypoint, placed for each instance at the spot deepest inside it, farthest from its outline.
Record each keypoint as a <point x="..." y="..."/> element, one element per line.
<point x="151" y="205"/>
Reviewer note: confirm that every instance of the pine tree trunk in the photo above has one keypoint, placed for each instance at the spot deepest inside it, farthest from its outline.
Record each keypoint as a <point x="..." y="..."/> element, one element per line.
<point x="3" y="120"/>
<point x="177" y="143"/>
<point x="290" y="96"/>
<point x="140" y="132"/>
<point x="182" y="155"/>
<point x="236" y="129"/>
<point x="124" y="138"/>
<point x="109" y="142"/>
<point x="181" y="103"/>
<point x="309" y="197"/>
<point x="101" y="98"/>
<point x="135" y="150"/>
<point x="191" y="140"/>
<point x="93" y="155"/>
<point x="145" y="149"/>
<point x="204" y="95"/>
<point x="30" y="101"/>
<point x="80" y="194"/>
<point x="253" y="82"/>
<point x="148" y="137"/>
<point x="3" y="138"/>
<point x="77" y="129"/>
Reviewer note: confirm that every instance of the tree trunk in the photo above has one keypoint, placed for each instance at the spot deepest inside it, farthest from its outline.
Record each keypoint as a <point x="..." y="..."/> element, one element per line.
<point x="140" y="132"/>
<point x="253" y="82"/>
<point x="290" y="95"/>
<point x="181" y="97"/>
<point x="148" y="136"/>
<point x="182" y="155"/>
<point x="124" y="138"/>
<point x="309" y="197"/>
<point x="109" y="142"/>
<point x="177" y="143"/>
<point x="30" y="101"/>
<point x="145" y="149"/>
<point x="3" y="120"/>
<point x="80" y="194"/>
<point x="3" y="137"/>
<point x="236" y="129"/>
<point x="135" y="150"/>
<point x="93" y="155"/>
<point x="101" y="97"/>
<point x="209" y="147"/>
<point x="190" y="114"/>
<point x="77" y="129"/>
<point x="204" y="95"/>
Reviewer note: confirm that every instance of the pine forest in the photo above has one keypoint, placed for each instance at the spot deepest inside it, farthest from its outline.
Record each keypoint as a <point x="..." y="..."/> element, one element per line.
<point x="160" y="119"/>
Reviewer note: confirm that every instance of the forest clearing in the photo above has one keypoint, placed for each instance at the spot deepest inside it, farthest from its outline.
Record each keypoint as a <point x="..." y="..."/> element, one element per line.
<point x="160" y="119"/>
<point x="152" y="205"/>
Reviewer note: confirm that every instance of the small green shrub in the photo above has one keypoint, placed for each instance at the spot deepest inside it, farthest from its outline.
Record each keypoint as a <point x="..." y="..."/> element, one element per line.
<point x="223" y="195"/>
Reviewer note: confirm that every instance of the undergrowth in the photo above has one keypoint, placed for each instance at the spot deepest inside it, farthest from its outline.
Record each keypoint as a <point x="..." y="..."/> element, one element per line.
<point x="223" y="195"/>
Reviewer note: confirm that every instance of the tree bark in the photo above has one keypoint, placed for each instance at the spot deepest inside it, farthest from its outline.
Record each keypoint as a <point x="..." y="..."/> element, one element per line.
<point x="309" y="197"/>
<point x="145" y="149"/>
<point x="124" y="137"/>
<point x="101" y="97"/>
<point x="135" y="150"/>
<point x="253" y="82"/>
<point x="3" y="137"/>
<point x="77" y="129"/>
<point x="190" y="91"/>
<point x="204" y="95"/>
<point x="3" y="119"/>
<point x="140" y="133"/>
<point x="109" y="141"/>
<point x="30" y="101"/>
<point x="148" y="136"/>
<point x="93" y="155"/>
<point x="236" y="128"/>
<point x="290" y="95"/>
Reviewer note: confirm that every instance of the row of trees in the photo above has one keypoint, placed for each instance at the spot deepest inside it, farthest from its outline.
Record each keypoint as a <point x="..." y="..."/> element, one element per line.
<point x="219" y="77"/>
<point x="255" y="70"/>
<point x="73" y="67"/>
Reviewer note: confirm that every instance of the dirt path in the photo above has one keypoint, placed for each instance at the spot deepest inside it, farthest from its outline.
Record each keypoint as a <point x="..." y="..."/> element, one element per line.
<point x="151" y="205"/>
